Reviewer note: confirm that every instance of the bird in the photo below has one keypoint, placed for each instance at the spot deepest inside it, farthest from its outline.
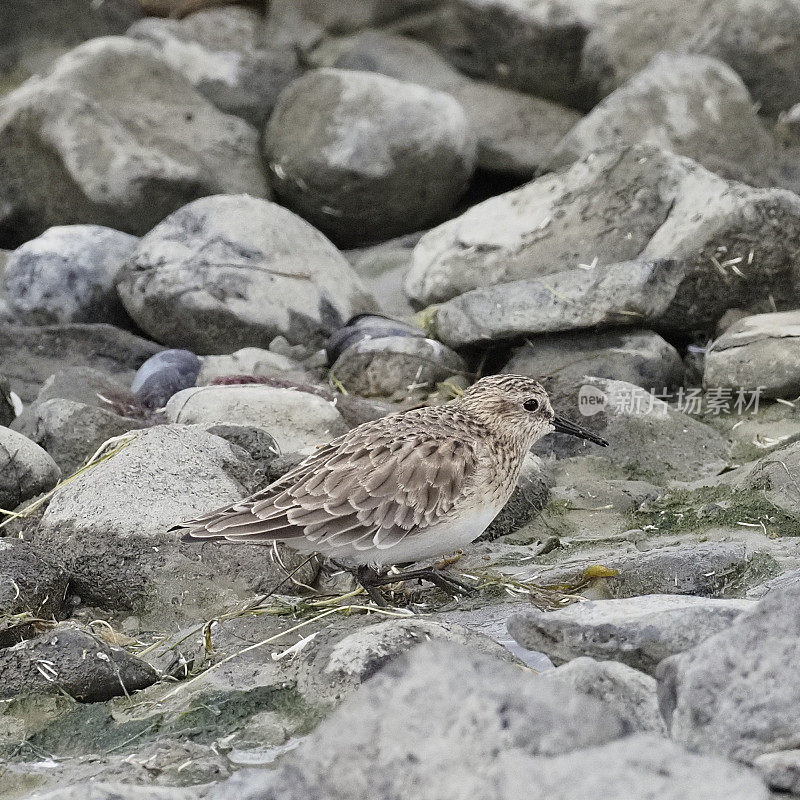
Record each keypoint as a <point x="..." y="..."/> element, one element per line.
<point x="411" y="486"/>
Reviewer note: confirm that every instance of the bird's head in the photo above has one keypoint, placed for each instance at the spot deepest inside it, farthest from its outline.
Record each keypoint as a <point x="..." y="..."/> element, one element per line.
<point x="522" y="404"/>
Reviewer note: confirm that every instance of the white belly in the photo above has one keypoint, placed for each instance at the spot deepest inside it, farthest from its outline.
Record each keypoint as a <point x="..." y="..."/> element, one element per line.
<point x="438" y="540"/>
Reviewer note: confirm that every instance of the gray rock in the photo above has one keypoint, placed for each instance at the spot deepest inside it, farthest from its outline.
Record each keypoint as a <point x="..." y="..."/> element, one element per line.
<point x="632" y="203"/>
<point x="735" y="693"/>
<point x="129" y="142"/>
<point x="785" y="579"/>
<point x="234" y="271"/>
<point x="383" y="268"/>
<point x="68" y="274"/>
<point x="406" y="729"/>
<point x="66" y="659"/>
<point x="757" y="351"/>
<point x="637" y="424"/>
<point x="258" y="444"/>
<point x="561" y="362"/>
<point x="25" y="469"/>
<point x="383" y="367"/>
<point x="109" y="528"/>
<point x="108" y="790"/>
<point x="218" y="51"/>
<point x="29" y="355"/>
<point x="72" y="432"/>
<point x="533" y="47"/>
<point x="624" y="690"/>
<point x="28" y="583"/>
<point x="637" y="631"/>
<point x="252" y="361"/>
<point x="644" y="766"/>
<point x="516" y="133"/>
<point x="164" y="374"/>
<point x="527" y="500"/>
<point x="780" y="770"/>
<point x="295" y="419"/>
<point x="378" y="157"/>
<point x="692" y="105"/>
<point x="605" y="296"/>
<point x="706" y="570"/>
<point x="8" y="403"/>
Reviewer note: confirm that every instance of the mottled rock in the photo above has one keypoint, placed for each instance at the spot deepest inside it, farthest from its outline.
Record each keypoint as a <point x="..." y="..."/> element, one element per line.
<point x="29" y="355"/>
<point x="69" y="660"/>
<point x="235" y="271"/>
<point x="637" y="631"/>
<point x="637" y="202"/>
<point x="693" y="105"/>
<point x="295" y="419"/>
<point x="109" y="528"/>
<point x="735" y="693"/>
<point x="639" y="357"/>
<point x="757" y="351"/>
<point x="516" y="132"/>
<point x="378" y="157"/>
<point x="389" y="365"/>
<point x="28" y="583"/>
<point x="218" y="51"/>
<point x="129" y="142"/>
<point x="68" y="274"/>
<point x="164" y="374"/>
<point x="25" y="469"/>
<point x="785" y="579"/>
<point x="624" y="690"/>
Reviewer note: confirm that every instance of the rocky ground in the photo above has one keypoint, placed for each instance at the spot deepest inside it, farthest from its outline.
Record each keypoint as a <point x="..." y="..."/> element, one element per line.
<point x="231" y="236"/>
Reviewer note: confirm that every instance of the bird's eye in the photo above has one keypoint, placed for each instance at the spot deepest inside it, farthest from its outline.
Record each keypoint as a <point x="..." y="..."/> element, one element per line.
<point x="531" y="405"/>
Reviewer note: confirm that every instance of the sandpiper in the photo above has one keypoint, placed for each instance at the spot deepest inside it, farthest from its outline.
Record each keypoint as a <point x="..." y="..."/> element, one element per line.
<point x="408" y="487"/>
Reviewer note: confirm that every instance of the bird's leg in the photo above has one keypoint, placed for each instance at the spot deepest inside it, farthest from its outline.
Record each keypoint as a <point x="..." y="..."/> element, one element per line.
<point x="447" y="584"/>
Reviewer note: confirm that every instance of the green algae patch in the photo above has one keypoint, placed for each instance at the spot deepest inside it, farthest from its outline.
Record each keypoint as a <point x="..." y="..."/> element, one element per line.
<point x="689" y="510"/>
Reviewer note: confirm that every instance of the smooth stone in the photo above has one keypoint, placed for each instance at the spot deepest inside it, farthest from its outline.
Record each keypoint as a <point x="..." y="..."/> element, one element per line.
<point x="780" y="770"/>
<point x="235" y="271"/>
<point x="378" y="157"/>
<point x="68" y="274"/>
<point x="637" y="631"/>
<point x="757" y="352"/>
<point x="67" y="659"/>
<point x="251" y="361"/>
<point x="294" y="418"/>
<point x="164" y="374"/>
<point x="25" y="469"/>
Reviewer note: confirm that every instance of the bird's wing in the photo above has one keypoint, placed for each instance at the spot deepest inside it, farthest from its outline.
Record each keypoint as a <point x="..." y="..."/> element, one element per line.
<point x="367" y="492"/>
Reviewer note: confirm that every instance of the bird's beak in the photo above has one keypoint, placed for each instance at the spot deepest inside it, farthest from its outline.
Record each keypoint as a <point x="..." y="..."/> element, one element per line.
<point x="561" y="425"/>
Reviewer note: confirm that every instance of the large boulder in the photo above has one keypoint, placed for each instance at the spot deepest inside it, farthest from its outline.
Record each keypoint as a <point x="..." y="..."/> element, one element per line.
<point x="734" y="244"/>
<point x="25" y="469"/>
<point x="760" y="352"/>
<point x="109" y="528"/>
<point x="68" y="274"/>
<point x="736" y="692"/>
<point x="235" y="271"/>
<point x="692" y="105"/>
<point x="128" y="141"/>
<point x="30" y="354"/>
<point x="377" y="157"/>
<point x="516" y="132"/>
<point x="218" y="51"/>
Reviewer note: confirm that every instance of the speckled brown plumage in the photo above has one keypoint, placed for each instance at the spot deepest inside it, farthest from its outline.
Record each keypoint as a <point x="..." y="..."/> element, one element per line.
<point x="410" y="485"/>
